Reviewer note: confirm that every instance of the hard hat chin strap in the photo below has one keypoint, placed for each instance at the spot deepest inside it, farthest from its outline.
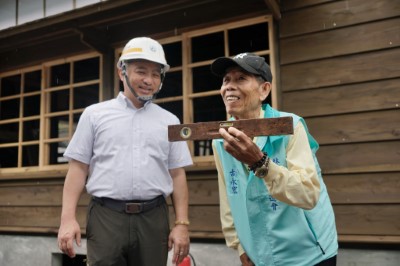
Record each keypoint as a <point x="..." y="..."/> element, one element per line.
<point x="143" y="99"/>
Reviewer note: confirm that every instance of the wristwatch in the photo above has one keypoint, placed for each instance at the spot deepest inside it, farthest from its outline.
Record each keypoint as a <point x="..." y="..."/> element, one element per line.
<point x="262" y="171"/>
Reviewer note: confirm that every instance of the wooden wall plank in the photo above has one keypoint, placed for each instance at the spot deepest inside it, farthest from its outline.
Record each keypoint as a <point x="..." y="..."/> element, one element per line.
<point x="359" y="127"/>
<point x="368" y="188"/>
<point x="31" y="196"/>
<point x="202" y="218"/>
<point x="203" y="192"/>
<point x="336" y="14"/>
<point x="368" y="239"/>
<point x="35" y="196"/>
<point x="368" y="219"/>
<point x="342" y="41"/>
<point x="342" y="70"/>
<point x="376" y="95"/>
<point x="360" y="157"/>
<point x="36" y="216"/>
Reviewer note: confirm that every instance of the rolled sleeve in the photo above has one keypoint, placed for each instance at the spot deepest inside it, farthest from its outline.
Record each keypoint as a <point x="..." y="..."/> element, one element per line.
<point x="80" y="147"/>
<point x="298" y="184"/>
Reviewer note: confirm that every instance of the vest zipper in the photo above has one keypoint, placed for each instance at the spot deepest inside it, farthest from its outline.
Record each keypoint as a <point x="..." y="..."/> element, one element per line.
<point x="315" y="236"/>
<point x="323" y="252"/>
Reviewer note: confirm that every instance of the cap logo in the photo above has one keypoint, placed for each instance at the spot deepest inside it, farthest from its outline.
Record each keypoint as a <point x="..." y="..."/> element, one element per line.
<point x="153" y="48"/>
<point x="241" y="56"/>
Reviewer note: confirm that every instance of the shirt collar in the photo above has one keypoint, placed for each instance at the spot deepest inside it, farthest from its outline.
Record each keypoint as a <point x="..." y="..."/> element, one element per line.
<point x="122" y="99"/>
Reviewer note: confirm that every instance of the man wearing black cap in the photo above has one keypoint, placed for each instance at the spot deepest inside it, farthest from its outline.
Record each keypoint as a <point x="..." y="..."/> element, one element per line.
<point x="274" y="206"/>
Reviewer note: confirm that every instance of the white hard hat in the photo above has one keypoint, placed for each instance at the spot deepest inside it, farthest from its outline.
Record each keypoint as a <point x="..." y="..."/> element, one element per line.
<point x="143" y="48"/>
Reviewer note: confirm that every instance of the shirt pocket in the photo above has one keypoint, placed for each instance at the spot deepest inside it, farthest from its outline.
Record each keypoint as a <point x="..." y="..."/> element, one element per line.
<point x="156" y="143"/>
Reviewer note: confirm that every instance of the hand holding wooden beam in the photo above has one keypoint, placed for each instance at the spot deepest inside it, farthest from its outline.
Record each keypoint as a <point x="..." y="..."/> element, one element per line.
<point x="251" y="127"/>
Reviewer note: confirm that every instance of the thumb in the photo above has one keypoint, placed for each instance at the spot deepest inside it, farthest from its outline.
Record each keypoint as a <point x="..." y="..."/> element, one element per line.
<point x="169" y="244"/>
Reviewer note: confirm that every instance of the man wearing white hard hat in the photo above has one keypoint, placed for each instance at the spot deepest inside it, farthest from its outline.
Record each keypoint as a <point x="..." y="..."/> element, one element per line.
<point x="120" y="152"/>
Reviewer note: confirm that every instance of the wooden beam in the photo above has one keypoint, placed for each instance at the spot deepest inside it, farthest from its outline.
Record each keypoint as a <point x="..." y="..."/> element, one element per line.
<point x="94" y="39"/>
<point x="369" y="239"/>
<point x="47" y="172"/>
<point x="273" y="5"/>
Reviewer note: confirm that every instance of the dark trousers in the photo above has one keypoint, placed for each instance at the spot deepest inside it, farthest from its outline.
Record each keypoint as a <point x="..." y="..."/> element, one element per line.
<point x="120" y="239"/>
<point x="328" y="262"/>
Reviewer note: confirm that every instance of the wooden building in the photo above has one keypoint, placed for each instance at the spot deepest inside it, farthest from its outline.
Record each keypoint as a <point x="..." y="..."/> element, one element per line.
<point x="336" y="63"/>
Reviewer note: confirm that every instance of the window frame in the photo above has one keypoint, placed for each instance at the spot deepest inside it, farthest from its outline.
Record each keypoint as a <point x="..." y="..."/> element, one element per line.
<point x="207" y="161"/>
<point x="44" y="169"/>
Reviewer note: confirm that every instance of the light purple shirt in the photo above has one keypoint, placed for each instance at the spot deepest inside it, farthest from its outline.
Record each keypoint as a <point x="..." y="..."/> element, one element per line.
<point x="127" y="149"/>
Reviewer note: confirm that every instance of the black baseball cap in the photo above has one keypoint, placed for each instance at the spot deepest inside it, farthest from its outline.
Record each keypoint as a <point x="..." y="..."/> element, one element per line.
<point x="251" y="63"/>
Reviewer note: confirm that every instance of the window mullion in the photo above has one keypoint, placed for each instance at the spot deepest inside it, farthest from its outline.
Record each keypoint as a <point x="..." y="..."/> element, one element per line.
<point x="42" y="121"/>
<point x="20" y="124"/>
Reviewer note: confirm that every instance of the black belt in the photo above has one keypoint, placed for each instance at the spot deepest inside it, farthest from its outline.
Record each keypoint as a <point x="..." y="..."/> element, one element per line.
<point x="131" y="206"/>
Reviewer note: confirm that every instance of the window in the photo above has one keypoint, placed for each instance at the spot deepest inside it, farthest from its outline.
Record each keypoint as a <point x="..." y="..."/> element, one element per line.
<point x="190" y="90"/>
<point x="40" y="107"/>
<point x="20" y="119"/>
<point x="73" y="85"/>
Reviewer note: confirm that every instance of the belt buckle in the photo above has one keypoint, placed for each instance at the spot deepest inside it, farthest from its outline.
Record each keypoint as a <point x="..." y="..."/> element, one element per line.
<point x="133" y="207"/>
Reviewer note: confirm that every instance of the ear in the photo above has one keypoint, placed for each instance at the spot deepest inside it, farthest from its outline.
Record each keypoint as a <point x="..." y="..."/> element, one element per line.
<point x="120" y="74"/>
<point x="265" y="90"/>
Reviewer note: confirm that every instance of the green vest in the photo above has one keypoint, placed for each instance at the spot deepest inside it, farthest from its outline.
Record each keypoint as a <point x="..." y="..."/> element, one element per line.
<point x="270" y="231"/>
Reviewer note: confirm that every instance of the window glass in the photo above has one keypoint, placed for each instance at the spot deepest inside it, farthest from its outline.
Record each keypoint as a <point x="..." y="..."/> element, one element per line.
<point x="173" y="53"/>
<point x="207" y="47"/>
<point x="9" y="133"/>
<point x="209" y="108"/>
<point x="248" y="39"/>
<point x="203" y="148"/>
<point x="30" y="155"/>
<point x="31" y="105"/>
<point x="31" y="130"/>
<point x="59" y="126"/>
<point x="86" y="95"/>
<point x="32" y="81"/>
<point x="9" y="109"/>
<point x="204" y="80"/>
<point x="87" y="69"/>
<point x="10" y="85"/>
<point x="60" y="75"/>
<point x="8" y="157"/>
<point x="59" y="100"/>
<point x="172" y="85"/>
